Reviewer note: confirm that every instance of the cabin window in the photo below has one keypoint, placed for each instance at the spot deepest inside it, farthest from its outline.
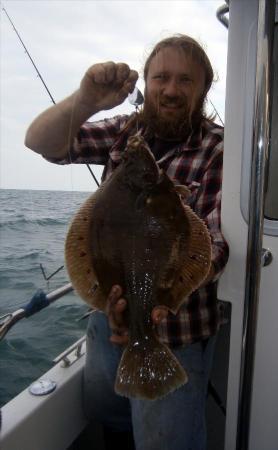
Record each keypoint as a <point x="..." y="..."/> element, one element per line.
<point x="271" y="201"/>
<point x="271" y="205"/>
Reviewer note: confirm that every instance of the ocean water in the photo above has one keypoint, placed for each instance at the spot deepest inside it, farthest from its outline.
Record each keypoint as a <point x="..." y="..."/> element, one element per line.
<point x="33" y="226"/>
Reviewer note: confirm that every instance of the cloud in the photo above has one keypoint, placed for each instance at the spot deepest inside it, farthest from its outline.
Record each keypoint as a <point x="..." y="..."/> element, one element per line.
<point x="64" y="38"/>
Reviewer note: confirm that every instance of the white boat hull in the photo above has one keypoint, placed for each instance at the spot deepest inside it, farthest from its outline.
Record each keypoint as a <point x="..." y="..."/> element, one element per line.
<point x="48" y="422"/>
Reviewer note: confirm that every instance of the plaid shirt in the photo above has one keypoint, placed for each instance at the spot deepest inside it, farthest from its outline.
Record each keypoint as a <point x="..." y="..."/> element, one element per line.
<point x="196" y="163"/>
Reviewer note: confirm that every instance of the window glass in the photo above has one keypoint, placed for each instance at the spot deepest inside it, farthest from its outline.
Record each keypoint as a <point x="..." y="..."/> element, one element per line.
<point x="271" y="205"/>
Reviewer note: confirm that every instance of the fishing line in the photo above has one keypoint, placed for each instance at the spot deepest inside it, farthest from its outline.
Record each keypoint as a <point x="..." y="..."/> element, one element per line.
<point x="218" y="115"/>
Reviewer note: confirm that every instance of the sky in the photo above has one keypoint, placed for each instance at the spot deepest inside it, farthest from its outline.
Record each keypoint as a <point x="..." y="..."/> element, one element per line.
<point x="64" y="38"/>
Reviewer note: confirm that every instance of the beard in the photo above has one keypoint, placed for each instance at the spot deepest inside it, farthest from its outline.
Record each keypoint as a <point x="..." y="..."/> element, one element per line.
<point x="176" y="124"/>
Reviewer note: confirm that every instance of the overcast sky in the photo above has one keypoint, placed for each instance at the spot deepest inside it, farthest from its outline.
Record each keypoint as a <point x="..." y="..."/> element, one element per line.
<point x="64" y="38"/>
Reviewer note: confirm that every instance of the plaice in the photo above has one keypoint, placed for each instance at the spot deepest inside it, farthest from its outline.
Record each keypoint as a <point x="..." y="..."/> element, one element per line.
<point x="136" y="232"/>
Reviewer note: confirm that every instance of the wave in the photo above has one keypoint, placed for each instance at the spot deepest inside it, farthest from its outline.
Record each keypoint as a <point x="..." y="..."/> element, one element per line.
<point x="33" y="228"/>
<point x="45" y="221"/>
<point x="29" y="255"/>
<point x="24" y="285"/>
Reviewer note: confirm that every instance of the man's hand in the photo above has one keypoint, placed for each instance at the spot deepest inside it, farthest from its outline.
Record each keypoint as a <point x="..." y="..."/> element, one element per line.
<point x="116" y="309"/>
<point x="116" y="306"/>
<point x="106" y="85"/>
<point x="103" y="87"/>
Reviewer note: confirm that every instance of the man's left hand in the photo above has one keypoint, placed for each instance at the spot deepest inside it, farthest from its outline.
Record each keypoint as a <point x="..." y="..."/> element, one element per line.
<point x="116" y="308"/>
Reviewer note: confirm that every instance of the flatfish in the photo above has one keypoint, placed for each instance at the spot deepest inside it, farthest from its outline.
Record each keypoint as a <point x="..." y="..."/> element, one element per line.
<point x="135" y="231"/>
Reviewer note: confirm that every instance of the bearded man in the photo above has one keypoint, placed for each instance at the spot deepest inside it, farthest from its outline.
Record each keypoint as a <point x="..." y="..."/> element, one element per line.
<point x="188" y="146"/>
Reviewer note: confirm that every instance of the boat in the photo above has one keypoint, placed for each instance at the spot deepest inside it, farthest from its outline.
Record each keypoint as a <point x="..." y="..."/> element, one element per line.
<point x="244" y="415"/>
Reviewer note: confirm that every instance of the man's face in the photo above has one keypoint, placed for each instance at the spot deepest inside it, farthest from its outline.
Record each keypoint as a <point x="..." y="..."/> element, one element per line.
<point x="174" y="87"/>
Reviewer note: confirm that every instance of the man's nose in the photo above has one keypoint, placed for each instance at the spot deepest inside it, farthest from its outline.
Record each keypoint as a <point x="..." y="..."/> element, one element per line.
<point x="171" y="88"/>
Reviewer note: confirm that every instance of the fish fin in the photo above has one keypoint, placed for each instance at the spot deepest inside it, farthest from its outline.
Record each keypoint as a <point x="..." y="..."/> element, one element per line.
<point x="195" y="262"/>
<point x="183" y="191"/>
<point x="148" y="370"/>
<point x="168" y="275"/>
<point x="78" y="256"/>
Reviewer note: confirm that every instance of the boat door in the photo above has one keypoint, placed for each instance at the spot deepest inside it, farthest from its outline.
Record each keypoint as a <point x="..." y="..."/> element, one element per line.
<point x="248" y="284"/>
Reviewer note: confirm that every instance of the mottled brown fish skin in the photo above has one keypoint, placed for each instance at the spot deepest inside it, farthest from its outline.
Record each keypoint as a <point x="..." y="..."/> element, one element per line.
<point x="138" y="234"/>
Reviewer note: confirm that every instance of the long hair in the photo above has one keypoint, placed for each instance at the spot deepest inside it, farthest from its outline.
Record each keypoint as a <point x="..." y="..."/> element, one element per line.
<point x="191" y="48"/>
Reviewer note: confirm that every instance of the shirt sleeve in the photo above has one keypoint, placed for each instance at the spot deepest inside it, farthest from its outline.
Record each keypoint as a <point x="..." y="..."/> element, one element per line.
<point x="208" y="208"/>
<point x="93" y="142"/>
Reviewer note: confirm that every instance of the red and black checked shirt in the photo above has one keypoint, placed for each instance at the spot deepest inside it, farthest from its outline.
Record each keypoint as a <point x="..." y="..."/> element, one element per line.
<point x="196" y="163"/>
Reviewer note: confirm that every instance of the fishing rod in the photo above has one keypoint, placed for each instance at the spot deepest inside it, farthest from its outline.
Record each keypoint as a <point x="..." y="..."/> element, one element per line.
<point x="136" y="98"/>
<point x="38" y="302"/>
<point x="53" y="101"/>
<point x="41" y="78"/>
<point x="41" y="300"/>
<point x="136" y="94"/>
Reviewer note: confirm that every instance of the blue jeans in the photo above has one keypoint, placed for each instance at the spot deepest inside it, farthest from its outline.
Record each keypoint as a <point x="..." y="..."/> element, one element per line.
<point x="174" y="422"/>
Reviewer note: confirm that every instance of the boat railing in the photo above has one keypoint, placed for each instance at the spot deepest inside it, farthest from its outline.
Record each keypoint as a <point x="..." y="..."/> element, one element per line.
<point x="221" y="14"/>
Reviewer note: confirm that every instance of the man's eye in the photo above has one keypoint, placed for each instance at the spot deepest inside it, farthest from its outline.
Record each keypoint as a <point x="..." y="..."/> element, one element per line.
<point x="160" y="76"/>
<point x="185" y="80"/>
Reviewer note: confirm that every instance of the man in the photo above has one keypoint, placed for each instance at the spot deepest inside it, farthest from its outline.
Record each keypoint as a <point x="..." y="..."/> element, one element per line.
<point x="189" y="148"/>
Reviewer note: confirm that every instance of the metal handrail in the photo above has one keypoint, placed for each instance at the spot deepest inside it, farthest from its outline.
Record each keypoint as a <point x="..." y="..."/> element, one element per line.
<point x="7" y="321"/>
<point x="265" y="32"/>
<point x="220" y="14"/>
<point x="75" y="348"/>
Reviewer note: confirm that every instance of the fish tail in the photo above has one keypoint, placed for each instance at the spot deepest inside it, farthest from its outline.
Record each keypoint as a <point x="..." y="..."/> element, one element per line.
<point x="148" y="370"/>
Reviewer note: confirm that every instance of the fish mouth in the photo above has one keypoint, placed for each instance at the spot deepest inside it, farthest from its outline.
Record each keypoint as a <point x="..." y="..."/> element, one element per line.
<point x="137" y="145"/>
<point x="136" y="141"/>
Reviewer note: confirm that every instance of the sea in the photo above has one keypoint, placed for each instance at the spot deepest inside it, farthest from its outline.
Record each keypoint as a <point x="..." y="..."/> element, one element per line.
<point x="33" y="227"/>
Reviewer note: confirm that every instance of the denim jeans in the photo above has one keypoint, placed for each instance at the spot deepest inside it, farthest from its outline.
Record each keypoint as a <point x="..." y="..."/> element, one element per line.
<point x="174" y="422"/>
